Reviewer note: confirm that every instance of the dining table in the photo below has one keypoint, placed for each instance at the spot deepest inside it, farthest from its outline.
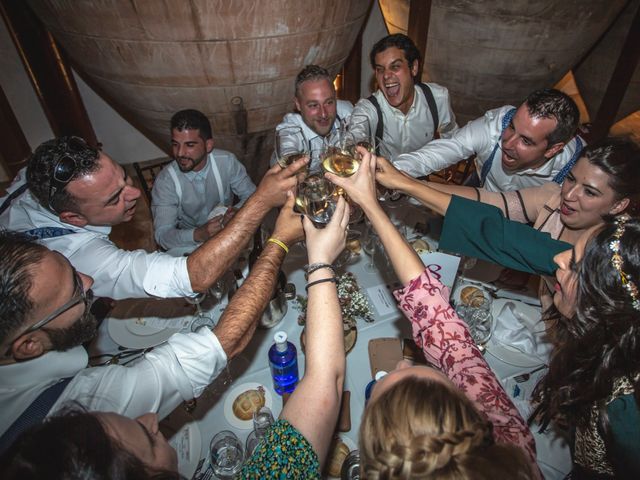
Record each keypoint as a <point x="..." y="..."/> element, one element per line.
<point x="193" y="424"/>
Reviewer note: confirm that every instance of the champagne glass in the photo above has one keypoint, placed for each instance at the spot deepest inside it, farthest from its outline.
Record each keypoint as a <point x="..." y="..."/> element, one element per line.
<point x="290" y="145"/>
<point x="316" y="196"/>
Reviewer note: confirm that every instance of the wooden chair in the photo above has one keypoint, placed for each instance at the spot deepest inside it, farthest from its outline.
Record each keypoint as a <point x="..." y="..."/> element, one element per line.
<point x="147" y="172"/>
<point x="457" y="173"/>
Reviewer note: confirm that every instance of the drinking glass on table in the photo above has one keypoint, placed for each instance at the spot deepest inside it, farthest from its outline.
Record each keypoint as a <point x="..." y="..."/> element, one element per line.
<point x="262" y="420"/>
<point x="226" y="455"/>
<point x="290" y="145"/>
<point x="373" y="247"/>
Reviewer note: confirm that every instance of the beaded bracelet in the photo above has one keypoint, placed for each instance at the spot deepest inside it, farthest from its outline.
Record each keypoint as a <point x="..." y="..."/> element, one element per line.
<point x="280" y="243"/>
<point x="314" y="267"/>
<point x="322" y="280"/>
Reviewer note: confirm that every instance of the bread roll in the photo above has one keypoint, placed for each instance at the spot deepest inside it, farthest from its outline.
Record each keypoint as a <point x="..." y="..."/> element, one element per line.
<point x="420" y="246"/>
<point x="248" y="402"/>
<point x="337" y="454"/>
<point x="472" y="296"/>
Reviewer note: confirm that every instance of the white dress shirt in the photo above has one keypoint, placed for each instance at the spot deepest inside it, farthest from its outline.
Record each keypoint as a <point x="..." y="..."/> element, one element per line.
<point x="479" y="137"/>
<point x="117" y="273"/>
<point x="158" y="382"/>
<point x="343" y="110"/>
<point x="406" y="133"/>
<point x="177" y="214"/>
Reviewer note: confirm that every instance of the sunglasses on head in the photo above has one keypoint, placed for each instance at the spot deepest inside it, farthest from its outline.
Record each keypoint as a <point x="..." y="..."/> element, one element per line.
<point x="72" y="155"/>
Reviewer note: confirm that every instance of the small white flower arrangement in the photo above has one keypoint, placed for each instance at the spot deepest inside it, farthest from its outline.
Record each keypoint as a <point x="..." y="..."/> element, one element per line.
<point x="353" y="303"/>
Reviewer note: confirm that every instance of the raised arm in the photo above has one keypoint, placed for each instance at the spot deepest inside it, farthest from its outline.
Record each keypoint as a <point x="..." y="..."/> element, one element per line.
<point x="361" y="187"/>
<point x="313" y="406"/>
<point x="214" y="257"/>
<point x="240" y="318"/>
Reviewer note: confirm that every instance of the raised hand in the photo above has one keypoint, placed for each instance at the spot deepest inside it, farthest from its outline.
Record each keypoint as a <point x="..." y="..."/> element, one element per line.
<point x="325" y="244"/>
<point x="275" y="184"/>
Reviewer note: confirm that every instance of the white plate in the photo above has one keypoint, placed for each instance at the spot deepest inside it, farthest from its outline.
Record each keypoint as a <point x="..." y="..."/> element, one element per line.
<point x="231" y="397"/>
<point x="121" y="333"/>
<point x="507" y="353"/>
<point x="188" y="445"/>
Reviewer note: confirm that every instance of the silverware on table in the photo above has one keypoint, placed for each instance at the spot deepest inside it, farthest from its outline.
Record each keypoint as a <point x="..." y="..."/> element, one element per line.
<point x="523" y="377"/>
<point x="115" y="359"/>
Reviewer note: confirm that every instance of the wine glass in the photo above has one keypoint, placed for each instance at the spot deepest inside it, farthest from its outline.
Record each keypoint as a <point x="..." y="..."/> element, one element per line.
<point x="341" y="157"/>
<point x="316" y="198"/>
<point x="360" y="128"/>
<point x="290" y="145"/>
<point x="372" y="246"/>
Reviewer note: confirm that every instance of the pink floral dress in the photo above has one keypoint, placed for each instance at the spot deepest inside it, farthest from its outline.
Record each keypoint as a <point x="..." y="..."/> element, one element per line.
<point x="447" y="345"/>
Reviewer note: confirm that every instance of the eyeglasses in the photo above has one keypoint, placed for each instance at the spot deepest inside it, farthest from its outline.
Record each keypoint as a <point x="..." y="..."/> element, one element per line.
<point x="74" y="153"/>
<point x="79" y="295"/>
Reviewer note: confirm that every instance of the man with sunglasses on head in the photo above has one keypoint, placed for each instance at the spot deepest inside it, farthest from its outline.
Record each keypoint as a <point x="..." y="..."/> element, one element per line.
<point x="76" y="193"/>
<point x="44" y="319"/>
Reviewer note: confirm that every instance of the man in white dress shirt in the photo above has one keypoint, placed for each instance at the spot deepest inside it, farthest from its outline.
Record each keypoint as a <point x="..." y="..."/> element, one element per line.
<point x="76" y="193"/>
<point x="403" y="112"/>
<point x="190" y="194"/>
<point x="44" y="319"/>
<point x="514" y="148"/>
<point x="318" y="111"/>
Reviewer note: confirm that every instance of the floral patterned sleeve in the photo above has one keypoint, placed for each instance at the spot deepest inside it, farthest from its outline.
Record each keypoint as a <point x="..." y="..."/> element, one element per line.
<point x="447" y="344"/>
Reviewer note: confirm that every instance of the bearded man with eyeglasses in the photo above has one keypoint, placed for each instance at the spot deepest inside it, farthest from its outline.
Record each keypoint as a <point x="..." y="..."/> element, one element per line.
<point x="76" y="193"/>
<point x="45" y="318"/>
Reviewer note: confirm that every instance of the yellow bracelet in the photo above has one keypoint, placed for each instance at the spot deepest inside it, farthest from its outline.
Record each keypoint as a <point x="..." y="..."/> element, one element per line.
<point x="279" y="243"/>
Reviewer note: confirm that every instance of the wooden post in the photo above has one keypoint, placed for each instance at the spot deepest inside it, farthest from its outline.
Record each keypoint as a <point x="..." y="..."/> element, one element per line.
<point x="619" y="82"/>
<point x="50" y="75"/>
<point x="14" y="147"/>
<point x="352" y="72"/>
<point x="418" y="29"/>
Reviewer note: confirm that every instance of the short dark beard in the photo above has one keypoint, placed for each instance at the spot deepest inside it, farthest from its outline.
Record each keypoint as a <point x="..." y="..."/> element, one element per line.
<point x="83" y="330"/>
<point x="194" y="165"/>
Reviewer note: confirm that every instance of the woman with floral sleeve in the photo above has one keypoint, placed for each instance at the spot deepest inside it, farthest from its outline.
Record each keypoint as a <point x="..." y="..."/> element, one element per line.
<point x="451" y="421"/>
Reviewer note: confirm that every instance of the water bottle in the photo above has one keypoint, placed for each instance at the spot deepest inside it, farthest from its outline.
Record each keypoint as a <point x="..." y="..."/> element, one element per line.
<point x="283" y="360"/>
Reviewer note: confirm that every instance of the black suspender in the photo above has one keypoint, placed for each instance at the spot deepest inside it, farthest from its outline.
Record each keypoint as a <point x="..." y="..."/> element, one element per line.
<point x="34" y="413"/>
<point x="431" y="102"/>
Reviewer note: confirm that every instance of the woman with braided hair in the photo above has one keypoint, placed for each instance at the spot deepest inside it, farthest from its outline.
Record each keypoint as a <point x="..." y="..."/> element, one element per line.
<point x="451" y="421"/>
<point x="593" y="382"/>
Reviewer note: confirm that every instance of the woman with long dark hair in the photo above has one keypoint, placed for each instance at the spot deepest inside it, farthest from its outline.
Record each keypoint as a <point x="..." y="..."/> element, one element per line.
<point x="593" y="382"/>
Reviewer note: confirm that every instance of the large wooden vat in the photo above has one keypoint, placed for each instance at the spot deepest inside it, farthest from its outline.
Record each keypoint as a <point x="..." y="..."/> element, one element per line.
<point x="491" y="53"/>
<point x="593" y="75"/>
<point x="235" y="60"/>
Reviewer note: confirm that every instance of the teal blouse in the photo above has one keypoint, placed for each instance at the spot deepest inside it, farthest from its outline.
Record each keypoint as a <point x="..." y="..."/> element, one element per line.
<point x="479" y="230"/>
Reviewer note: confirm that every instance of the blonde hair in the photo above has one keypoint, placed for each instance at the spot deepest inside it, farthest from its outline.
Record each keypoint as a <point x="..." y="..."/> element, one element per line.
<point x="421" y="428"/>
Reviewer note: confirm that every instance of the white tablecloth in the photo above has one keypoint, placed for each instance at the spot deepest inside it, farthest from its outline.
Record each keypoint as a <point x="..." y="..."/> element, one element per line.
<point x="252" y="364"/>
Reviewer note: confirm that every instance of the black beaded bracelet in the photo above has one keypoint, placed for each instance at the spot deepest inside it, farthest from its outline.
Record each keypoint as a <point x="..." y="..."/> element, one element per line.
<point x="318" y="266"/>
<point x="322" y="280"/>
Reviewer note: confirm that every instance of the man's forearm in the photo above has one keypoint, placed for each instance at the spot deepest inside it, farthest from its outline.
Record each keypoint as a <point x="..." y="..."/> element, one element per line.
<point x="240" y="318"/>
<point x="214" y="257"/>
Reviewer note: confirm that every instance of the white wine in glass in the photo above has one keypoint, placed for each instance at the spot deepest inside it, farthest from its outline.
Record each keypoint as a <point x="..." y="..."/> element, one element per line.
<point x="340" y="163"/>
